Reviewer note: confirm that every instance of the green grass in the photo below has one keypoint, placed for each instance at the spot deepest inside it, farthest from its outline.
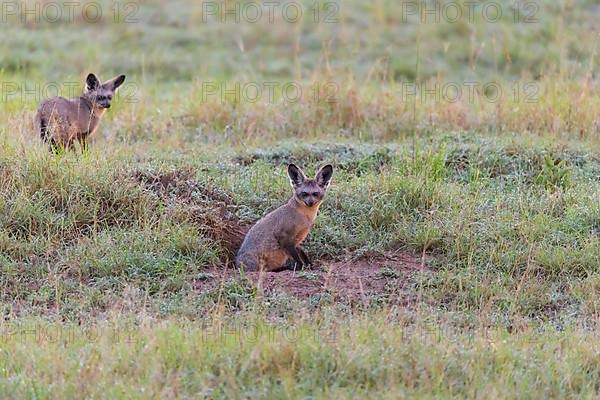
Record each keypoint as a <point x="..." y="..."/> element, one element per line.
<point x="495" y="216"/>
<point x="378" y="39"/>
<point x="356" y="357"/>
<point x="501" y="198"/>
<point x="510" y="233"/>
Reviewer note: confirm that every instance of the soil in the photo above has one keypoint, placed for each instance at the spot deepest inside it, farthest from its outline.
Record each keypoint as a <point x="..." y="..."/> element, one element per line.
<point x="363" y="280"/>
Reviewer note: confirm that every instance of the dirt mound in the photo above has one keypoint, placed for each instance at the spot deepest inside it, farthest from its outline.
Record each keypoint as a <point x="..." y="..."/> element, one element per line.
<point x="181" y="185"/>
<point x="212" y="211"/>
<point x="361" y="281"/>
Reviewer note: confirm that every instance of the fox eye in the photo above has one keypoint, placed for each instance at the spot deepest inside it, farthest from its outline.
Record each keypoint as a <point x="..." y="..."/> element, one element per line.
<point x="316" y="194"/>
<point x="304" y="194"/>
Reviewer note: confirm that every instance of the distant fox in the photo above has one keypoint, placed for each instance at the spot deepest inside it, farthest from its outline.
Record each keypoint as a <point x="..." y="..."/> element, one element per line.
<point x="277" y="236"/>
<point x="60" y="121"/>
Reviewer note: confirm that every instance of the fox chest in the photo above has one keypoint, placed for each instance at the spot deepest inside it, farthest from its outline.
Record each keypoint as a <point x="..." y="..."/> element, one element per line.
<point x="302" y="234"/>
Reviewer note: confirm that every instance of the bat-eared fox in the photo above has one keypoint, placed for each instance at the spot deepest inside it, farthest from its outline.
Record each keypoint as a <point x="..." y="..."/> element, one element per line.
<point x="61" y="122"/>
<point x="278" y="235"/>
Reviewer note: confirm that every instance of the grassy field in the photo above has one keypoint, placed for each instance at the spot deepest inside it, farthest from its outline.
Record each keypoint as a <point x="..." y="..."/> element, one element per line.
<point x="457" y="251"/>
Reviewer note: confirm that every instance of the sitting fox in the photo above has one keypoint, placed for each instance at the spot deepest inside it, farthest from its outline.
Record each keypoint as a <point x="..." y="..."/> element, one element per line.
<point x="278" y="235"/>
<point x="61" y="122"/>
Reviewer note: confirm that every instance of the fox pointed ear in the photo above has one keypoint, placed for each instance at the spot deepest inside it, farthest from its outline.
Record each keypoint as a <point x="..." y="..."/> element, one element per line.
<point x="324" y="176"/>
<point x="92" y="82"/>
<point x="296" y="175"/>
<point x="114" y="83"/>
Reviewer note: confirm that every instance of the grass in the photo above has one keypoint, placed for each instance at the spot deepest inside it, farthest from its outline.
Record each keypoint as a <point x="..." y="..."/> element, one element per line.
<point x="506" y="223"/>
<point x="357" y="357"/>
<point x="499" y="200"/>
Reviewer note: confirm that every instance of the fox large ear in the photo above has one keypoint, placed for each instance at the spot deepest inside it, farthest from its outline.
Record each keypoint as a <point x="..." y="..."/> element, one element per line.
<point x="114" y="83"/>
<point x="324" y="176"/>
<point x="91" y="83"/>
<point x="296" y="175"/>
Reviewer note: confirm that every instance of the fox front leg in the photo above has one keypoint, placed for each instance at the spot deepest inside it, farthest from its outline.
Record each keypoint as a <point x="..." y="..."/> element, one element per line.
<point x="293" y="252"/>
<point x="303" y="256"/>
<point x="83" y="144"/>
<point x="54" y="147"/>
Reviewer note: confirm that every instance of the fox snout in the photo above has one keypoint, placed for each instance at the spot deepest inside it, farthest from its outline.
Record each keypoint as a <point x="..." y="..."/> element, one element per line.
<point x="312" y="201"/>
<point x="104" y="101"/>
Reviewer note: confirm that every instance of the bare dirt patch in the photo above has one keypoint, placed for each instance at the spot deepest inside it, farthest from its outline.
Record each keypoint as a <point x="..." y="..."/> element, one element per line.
<point x="358" y="281"/>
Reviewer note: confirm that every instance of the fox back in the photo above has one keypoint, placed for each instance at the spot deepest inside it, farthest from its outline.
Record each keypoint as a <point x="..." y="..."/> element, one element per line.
<point x="60" y="121"/>
<point x="277" y="236"/>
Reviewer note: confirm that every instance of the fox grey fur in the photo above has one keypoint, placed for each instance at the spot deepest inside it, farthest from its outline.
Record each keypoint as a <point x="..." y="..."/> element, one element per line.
<point x="278" y="235"/>
<point x="60" y="121"/>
